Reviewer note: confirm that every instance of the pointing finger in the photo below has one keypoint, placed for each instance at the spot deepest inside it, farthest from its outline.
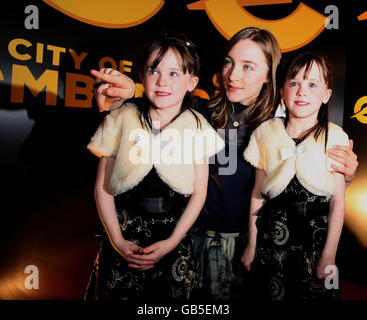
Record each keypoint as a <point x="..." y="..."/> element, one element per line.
<point x="109" y="78"/>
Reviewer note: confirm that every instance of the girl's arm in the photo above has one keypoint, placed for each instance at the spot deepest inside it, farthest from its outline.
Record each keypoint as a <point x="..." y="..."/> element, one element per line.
<point x="335" y="225"/>
<point x="257" y="201"/>
<point x="348" y="160"/>
<point x="107" y="213"/>
<point x="196" y="202"/>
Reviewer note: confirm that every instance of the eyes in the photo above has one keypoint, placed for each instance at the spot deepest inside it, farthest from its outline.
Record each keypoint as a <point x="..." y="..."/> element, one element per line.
<point x="152" y="72"/>
<point x="155" y="72"/>
<point x="296" y="84"/>
<point x="229" y="64"/>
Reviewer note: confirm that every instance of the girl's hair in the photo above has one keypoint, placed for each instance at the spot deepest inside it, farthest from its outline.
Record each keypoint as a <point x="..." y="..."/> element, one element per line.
<point x="190" y="63"/>
<point x="264" y="105"/>
<point x="289" y="70"/>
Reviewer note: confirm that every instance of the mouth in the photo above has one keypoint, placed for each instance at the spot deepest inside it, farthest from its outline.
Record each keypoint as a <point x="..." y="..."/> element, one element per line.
<point x="232" y="88"/>
<point x="301" y="103"/>
<point x="162" y="94"/>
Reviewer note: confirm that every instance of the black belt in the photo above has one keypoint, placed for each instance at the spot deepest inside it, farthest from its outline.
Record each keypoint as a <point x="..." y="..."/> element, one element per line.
<point x="299" y="208"/>
<point x="157" y="205"/>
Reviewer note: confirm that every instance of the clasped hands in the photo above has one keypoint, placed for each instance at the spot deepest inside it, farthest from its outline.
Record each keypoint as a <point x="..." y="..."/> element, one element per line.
<point x="144" y="258"/>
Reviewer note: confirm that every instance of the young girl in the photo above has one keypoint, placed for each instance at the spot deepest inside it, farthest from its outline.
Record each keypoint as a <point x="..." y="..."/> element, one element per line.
<point x="297" y="204"/>
<point x="246" y="98"/>
<point x="152" y="159"/>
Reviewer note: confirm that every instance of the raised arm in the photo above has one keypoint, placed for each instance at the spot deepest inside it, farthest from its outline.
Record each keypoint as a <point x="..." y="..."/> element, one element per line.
<point x="257" y="201"/>
<point x="112" y="88"/>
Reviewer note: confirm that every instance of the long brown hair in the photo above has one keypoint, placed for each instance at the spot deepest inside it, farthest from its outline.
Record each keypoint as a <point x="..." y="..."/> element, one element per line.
<point x="263" y="107"/>
<point x="289" y="70"/>
<point x="185" y="49"/>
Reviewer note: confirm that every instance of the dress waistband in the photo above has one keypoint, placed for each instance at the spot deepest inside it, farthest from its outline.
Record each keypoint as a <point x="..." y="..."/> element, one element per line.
<point x="157" y="205"/>
<point x="154" y="205"/>
<point x="299" y="208"/>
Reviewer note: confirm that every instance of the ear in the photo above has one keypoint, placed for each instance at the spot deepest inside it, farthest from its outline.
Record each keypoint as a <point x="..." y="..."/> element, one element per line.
<point x="327" y="96"/>
<point x="193" y="83"/>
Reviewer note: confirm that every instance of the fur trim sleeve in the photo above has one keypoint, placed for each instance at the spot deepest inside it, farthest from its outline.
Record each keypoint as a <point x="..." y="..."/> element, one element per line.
<point x="336" y="137"/>
<point x="207" y="141"/>
<point x="106" y="140"/>
<point x="253" y="153"/>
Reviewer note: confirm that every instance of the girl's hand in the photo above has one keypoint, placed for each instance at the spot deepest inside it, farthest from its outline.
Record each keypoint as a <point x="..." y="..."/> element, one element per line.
<point x="322" y="265"/>
<point x="157" y="250"/>
<point x="127" y="250"/>
<point x="345" y="155"/>
<point x="248" y="257"/>
<point x="112" y="83"/>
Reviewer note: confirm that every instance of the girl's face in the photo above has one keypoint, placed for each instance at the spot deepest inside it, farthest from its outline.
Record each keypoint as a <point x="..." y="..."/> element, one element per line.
<point x="166" y="85"/>
<point x="303" y="97"/>
<point x="244" y="72"/>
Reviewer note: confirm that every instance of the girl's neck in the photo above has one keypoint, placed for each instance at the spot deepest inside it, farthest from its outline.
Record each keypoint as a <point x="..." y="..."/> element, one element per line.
<point x="162" y="117"/>
<point x="299" y="127"/>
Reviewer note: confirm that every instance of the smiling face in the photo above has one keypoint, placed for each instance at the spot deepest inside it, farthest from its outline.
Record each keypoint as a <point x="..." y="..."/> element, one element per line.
<point x="304" y="95"/>
<point x="166" y="84"/>
<point x="244" y="72"/>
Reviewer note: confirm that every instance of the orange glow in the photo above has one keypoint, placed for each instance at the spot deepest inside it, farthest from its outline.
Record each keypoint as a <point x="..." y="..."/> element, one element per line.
<point x="356" y="208"/>
<point x="363" y="16"/>
<point x="13" y="286"/>
<point x="201" y="93"/>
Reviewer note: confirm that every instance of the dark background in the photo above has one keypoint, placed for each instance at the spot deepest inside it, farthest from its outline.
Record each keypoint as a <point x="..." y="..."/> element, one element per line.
<point x="48" y="214"/>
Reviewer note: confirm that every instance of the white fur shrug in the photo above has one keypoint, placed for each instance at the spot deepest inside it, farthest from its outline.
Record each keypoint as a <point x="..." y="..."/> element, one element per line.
<point x="172" y="152"/>
<point x="273" y="150"/>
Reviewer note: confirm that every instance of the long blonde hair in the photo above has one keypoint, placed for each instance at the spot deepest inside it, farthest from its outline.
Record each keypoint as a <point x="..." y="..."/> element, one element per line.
<point x="263" y="107"/>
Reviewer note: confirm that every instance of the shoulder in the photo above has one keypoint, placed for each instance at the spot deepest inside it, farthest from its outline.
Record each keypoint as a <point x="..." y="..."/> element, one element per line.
<point x="204" y="123"/>
<point x="198" y="114"/>
<point x="271" y="125"/>
<point x="336" y="133"/>
<point x="118" y="118"/>
<point x="333" y="127"/>
<point x="189" y="119"/>
<point x="128" y="109"/>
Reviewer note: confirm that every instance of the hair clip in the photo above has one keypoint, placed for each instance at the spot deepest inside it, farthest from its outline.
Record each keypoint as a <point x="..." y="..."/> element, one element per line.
<point x="188" y="43"/>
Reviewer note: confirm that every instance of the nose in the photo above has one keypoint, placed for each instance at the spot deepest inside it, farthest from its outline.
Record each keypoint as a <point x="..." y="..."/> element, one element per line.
<point x="234" y="73"/>
<point x="301" y="91"/>
<point x="162" y="80"/>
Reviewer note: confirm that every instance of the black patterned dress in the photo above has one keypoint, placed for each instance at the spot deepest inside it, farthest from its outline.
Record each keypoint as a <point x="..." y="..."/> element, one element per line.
<point x="171" y="278"/>
<point x="292" y="231"/>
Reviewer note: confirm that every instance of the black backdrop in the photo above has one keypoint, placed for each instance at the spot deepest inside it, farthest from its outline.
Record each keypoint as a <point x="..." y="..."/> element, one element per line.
<point x="48" y="215"/>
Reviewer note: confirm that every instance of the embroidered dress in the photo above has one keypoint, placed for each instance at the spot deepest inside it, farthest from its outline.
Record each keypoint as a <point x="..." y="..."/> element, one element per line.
<point x="293" y="223"/>
<point x="173" y="277"/>
<point x="152" y="177"/>
<point x="289" y="246"/>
